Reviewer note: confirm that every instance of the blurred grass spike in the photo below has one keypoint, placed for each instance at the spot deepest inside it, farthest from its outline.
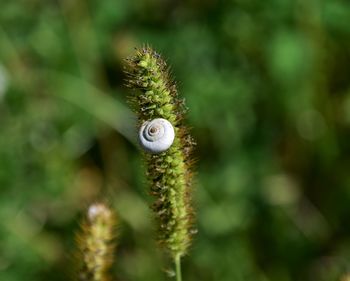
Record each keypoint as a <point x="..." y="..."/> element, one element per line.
<point x="169" y="171"/>
<point x="95" y="243"/>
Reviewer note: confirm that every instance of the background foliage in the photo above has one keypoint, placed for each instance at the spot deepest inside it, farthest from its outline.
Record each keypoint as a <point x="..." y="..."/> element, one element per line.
<point x="267" y="85"/>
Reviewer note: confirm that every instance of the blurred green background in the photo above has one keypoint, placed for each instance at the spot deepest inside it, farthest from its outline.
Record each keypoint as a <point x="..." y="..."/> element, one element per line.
<point x="267" y="85"/>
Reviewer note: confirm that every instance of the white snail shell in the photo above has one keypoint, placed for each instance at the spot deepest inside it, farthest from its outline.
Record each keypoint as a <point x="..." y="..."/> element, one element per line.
<point x="156" y="135"/>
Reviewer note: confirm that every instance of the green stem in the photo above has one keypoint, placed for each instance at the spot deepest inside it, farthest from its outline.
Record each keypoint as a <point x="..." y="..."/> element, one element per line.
<point x="178" y="268"/>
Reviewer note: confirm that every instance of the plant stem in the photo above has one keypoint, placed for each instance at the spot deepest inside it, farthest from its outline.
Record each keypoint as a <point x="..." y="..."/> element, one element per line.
<point x="178" y="268"/>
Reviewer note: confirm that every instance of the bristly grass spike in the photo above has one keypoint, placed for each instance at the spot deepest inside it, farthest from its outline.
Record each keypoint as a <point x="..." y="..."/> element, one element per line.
<point x="169" y="171"/>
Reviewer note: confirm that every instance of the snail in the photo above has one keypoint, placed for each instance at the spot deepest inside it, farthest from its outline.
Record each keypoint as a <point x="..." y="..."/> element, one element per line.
<point x="156" y="136"/>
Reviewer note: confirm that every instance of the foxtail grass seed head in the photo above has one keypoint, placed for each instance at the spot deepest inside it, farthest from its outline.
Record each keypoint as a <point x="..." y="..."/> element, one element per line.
<point x="160" y="115"/>
<point x="95" y="243"/>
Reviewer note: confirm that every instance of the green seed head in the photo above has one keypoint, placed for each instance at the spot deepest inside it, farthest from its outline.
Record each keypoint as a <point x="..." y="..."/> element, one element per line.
<point x="168" y="171"/>
<point x="95" y="242"/>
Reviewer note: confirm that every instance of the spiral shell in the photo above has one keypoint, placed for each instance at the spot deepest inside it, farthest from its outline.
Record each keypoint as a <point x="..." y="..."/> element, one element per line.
<point x="156" y="136"/>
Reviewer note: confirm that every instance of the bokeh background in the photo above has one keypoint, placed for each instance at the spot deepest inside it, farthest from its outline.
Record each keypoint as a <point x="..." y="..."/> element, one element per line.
<point x="267" y="86"/>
